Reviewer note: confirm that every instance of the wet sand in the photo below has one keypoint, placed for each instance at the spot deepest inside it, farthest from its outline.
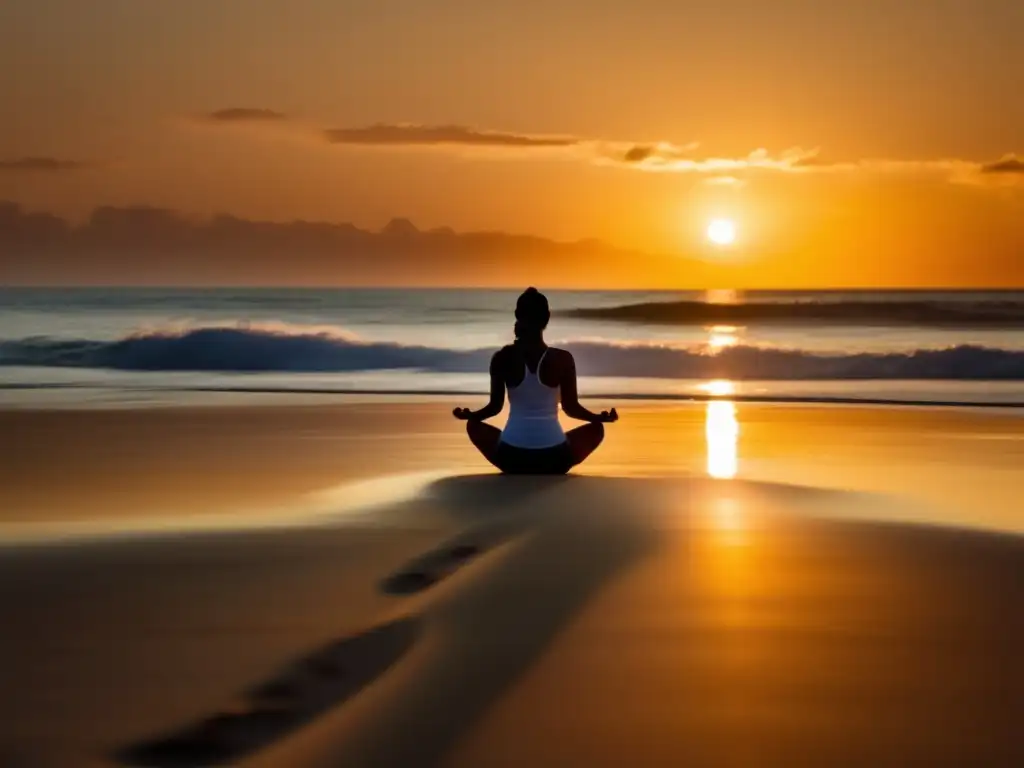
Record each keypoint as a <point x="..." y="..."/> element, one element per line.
<point x="639" y="613"/>
<point x="960" y="467"/>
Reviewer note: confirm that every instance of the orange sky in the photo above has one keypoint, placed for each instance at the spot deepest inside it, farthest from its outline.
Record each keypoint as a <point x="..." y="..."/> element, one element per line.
<point x="858" y="142"/>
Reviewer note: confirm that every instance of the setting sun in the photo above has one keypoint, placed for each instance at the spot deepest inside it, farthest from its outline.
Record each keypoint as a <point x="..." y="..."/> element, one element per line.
<point x="722" y="232"/>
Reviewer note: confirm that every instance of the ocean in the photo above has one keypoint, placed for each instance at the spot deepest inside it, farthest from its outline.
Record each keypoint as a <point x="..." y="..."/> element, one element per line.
<point x="148" y="346"/>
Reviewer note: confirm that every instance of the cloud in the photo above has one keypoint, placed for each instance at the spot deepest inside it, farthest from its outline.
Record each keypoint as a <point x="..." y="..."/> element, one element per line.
<point x="384" y="134"/>
<point x="244" y="115"/>
<point x="670" y="158"/>
<point x="1010" y="164"/>
<point x="638" y="154"/>
<point x="647" y="154"/>
<point x="39" y="164"/>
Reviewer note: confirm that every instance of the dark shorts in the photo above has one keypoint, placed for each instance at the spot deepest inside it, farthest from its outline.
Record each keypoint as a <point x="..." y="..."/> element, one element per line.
<point x="556" y="460"/>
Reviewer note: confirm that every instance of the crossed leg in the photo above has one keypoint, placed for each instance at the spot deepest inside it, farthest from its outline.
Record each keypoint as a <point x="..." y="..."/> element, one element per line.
<point x="584" y="440"/>
<point x="485" y="437"/>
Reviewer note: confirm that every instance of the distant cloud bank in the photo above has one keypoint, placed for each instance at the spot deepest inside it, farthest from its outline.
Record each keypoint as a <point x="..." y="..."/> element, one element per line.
<point x="143" y="244"/>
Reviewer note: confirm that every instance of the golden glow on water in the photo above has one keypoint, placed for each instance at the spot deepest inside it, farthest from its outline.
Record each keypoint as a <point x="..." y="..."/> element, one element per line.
<point x="722" y="336"/>
<point x="718" y="388"/>
<point x="721" y="296"/>
<point x="722" y="431"/>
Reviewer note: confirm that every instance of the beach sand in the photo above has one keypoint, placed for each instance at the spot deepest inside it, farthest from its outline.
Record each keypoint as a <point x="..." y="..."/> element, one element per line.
<point x="347" y="584"/>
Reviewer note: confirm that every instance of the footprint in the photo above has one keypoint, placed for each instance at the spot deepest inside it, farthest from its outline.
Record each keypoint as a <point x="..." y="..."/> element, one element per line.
<point x="428" y="569"/>
<point x="409" y="582"/>
<point x="464" y="551"/>
<point x="273" y="709"/>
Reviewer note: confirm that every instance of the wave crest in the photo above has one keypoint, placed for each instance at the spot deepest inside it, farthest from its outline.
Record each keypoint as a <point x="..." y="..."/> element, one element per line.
<point x="246" y="349"/>
<point x="948" y="314"/>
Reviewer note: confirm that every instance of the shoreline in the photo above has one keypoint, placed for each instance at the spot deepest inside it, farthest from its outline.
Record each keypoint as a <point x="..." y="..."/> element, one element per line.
<point x="430" y="395"/>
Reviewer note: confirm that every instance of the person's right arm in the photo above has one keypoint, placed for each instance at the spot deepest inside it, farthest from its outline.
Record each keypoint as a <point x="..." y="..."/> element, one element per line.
<point x="571" y="405"/>
<point x="497" y="400"/>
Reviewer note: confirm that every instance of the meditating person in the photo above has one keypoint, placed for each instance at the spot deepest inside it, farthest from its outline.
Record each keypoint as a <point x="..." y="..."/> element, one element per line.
<point x="536" y="377"/>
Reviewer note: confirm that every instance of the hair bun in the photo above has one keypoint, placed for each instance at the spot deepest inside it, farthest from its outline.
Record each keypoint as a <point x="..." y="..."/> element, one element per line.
<point x="532" y="310"/>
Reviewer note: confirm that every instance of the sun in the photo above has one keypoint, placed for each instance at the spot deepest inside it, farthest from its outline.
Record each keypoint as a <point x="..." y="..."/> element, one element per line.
<point x="722" y="231"/>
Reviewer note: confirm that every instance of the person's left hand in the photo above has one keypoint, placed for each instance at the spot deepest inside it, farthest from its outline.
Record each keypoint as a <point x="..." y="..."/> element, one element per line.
<point x="462" y="414"/>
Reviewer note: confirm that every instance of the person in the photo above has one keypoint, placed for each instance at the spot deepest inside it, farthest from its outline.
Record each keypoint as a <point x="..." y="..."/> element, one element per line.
<point x="536" y="376"/>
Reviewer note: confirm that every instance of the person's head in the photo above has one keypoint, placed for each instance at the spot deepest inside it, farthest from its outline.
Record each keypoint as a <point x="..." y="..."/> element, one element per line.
<point x="532" y="314"/>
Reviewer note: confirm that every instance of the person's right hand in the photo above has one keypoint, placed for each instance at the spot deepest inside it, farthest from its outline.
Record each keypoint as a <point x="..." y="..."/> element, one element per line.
<point x="462" y="414"/>
<point x="607" y="417"/>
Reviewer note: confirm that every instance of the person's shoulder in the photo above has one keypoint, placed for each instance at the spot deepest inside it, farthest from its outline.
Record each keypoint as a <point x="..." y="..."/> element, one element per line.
<point x="503" y="354"/>
<point x="562" y="358"/>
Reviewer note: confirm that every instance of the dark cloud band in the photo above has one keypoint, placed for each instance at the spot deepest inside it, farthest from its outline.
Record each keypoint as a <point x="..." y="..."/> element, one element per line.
<point x="1010" y="164"/>
<point x="244" y="115"/>
<point x="396" y="135"/>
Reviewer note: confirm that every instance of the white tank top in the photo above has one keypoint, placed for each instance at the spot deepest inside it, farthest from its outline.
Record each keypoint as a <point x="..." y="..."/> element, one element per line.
<point x="533" y="412"/>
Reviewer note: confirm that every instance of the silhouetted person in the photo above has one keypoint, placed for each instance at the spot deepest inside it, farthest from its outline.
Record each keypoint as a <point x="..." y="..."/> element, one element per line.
<point x="533" y="441"/>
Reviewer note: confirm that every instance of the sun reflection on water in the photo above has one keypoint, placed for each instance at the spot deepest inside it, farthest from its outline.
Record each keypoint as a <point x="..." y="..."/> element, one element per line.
<point x="722" y="336"/>
<point x="721" y="296"/>
<point x="718" y="388"/>
<point x="722" y="430"/>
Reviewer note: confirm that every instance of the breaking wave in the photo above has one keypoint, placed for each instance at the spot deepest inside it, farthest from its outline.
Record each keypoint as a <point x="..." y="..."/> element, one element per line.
<point x="248" y="349"/>
<point x="924" y="313"/>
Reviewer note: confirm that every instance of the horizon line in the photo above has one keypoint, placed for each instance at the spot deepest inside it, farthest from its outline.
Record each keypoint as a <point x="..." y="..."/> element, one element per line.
<point x="497" y="288"/>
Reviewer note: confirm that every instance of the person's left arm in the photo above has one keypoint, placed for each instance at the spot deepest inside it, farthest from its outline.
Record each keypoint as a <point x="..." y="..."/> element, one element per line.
<point x="571" y="405"/>
<point x="497" y="401"/>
